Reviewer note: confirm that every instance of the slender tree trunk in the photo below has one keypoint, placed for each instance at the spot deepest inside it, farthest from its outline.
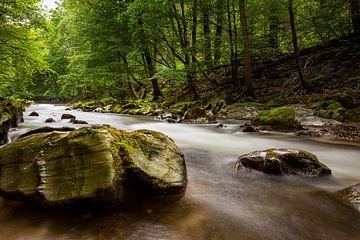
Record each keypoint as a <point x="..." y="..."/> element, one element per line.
<point x="355" y="15"/>
<point x="193" y="30"/>
<point x="247" y="49"/>
<point x="295" y="44"/>
<point x="219" y="30"/>
<point x="185" y="31"/>
<point x="274" y="29"/>
<point x="233" y="59"/>
<point x="207" y="32"/>
<point x="149" y="66"/>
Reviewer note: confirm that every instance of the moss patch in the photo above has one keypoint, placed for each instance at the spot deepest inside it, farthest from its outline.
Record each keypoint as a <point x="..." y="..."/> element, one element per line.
<point x="277" y="118"/>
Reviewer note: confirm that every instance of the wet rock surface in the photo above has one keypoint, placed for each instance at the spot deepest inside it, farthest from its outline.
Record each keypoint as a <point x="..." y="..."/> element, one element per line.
<point x="283" y="162"/>
<point x="350" y="195"/>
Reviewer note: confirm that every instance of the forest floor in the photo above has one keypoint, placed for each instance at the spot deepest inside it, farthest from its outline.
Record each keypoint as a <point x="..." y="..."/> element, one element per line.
<point x="328" y="69"/>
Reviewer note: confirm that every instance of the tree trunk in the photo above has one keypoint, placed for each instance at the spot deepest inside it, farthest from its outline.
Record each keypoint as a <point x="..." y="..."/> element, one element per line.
<point x="274" y="29"/>
<point x="295" y="44"/>
<point x="193" y="30"/>
<point x="355" y="15"/>
<point x="233" y="59"/>
<point x="207" y="32"/>
<point x="149" y="66"/>
<point x="219" y="28"/>
<point x="247" y="50"/>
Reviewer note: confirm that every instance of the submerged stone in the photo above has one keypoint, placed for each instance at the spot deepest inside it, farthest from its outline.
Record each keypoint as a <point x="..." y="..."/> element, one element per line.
<point x="283" y="162"/>
<point x="94" y="163"/>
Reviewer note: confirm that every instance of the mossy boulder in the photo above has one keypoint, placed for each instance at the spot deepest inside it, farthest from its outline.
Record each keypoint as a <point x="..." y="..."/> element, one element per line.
<point x="344" y="99"/>
<point x="278" y="118"/>
<point x="350" y="195"/>
<point x="283" y="162"/>
<point x="100" y="164"/>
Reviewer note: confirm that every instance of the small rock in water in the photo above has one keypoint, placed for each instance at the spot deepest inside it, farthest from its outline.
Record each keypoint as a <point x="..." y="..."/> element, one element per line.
<point x="249" y="129"/>
<point x="74" y="121"/>
<point x="67" y="116"/>
<point x="283" y="162"/>
<point x="34" y="114"/>
<point x="50" y="120"/>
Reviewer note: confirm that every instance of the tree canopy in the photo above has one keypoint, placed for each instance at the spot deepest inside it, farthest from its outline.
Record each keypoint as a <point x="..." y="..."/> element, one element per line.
<point x="137" y="48"/>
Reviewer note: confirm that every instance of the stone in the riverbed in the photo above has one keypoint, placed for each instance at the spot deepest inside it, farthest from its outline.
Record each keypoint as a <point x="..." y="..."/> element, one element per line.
<point x="249" y="128"/>
<point x="94" y="163"/>
<point x="34" y="114"/>
<point x="67" y="116"/>
<point x="350" y="195"/>
<point x="50" y="120"/>
<point x="283" y="162"/>
<point x="74" y="121"/>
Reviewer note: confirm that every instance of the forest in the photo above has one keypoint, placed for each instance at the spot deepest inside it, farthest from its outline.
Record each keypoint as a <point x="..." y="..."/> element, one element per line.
<point x="180" y="119"/>
<point x="160" y="49"/>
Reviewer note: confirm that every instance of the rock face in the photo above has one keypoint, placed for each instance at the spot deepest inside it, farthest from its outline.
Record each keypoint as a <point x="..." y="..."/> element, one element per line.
<point x="283" y="162"/>
<point x="350" y="195"/>
<point x="278" y="118"/>
<point x="94" y="163"/>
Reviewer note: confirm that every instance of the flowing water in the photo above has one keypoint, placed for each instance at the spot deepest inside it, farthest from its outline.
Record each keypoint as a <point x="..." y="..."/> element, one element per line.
<point x="218" y="203"/>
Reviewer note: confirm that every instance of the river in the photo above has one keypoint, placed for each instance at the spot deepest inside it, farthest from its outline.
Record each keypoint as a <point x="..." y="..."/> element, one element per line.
<point x="218" y="203"/>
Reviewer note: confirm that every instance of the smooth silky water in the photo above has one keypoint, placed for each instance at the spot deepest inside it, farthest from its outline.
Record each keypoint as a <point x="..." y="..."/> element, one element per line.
<point x="218" y="203"/>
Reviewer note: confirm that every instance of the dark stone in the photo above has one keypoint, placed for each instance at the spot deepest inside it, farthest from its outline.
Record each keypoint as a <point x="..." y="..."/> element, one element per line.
<point x="67" y="116"/>
<point x="74" y="121"/>
<point x="50" y="120"/>
<point x="283" y="162"/>
<point x="34" y="114"/>
<point x="249" y="129"/>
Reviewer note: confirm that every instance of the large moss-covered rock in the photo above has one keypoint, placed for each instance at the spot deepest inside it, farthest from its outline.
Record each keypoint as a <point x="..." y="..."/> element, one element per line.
<point x="283" y="162"/>
<point x="350" y="195"/>
<point x="96" y="163"/>
<point x="11" y="112"/>
<point x="278" y="118"/>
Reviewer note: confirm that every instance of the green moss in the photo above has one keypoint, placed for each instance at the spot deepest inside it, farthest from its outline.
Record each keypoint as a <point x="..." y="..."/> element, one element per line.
<point x="278" y="118"/>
